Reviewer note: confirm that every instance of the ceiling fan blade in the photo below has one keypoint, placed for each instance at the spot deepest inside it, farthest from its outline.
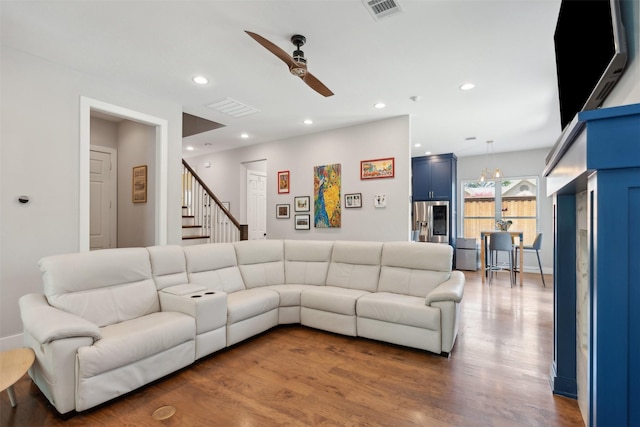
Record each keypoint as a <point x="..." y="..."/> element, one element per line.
<point x="316" y="84"/>
<point x="280" y="53"/>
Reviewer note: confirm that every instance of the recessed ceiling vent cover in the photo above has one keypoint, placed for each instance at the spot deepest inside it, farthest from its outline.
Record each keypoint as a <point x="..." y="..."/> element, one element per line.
<point x="233" y="108"/>
<point x="382" y="8"/>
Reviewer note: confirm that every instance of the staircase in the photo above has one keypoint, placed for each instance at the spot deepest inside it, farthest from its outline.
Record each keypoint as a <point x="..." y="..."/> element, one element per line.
<point x="204" y="218"/>
<point x="192" y="233"/>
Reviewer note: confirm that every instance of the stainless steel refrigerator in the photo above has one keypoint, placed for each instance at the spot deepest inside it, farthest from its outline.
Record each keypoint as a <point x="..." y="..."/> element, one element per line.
<point x="431" y="221"/>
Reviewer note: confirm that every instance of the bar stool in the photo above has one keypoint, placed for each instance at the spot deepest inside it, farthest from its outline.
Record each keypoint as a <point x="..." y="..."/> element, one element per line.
<point x="501" y="242"/>
<point x="537" y="244"/>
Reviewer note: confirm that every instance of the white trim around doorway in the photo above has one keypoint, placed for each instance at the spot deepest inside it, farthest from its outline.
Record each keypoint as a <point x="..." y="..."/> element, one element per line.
<point x="162" y="143"/>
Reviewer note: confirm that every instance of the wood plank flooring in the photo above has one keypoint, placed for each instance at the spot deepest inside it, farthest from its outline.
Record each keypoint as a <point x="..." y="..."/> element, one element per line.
<point x="497" y="375"/>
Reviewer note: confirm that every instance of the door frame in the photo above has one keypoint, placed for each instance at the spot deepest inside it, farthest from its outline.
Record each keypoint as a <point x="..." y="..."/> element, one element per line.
<point x="162" y="144"/>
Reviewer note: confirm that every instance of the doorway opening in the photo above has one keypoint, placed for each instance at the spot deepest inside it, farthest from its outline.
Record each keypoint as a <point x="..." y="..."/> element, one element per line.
<point x="157" y="165"/>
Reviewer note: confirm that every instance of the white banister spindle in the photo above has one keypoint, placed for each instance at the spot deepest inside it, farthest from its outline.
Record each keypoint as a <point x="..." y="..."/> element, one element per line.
<point x="207" y="212"/>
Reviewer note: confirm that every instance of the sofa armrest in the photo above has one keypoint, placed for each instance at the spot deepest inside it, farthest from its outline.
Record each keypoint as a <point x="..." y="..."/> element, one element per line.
<point x="450" y="290"/>
<point x="46" y="323"/>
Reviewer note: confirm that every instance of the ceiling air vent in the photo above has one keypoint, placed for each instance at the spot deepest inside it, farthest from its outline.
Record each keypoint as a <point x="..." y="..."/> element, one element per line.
<point x="233" y="108"/>
<point x="382" y="8"/>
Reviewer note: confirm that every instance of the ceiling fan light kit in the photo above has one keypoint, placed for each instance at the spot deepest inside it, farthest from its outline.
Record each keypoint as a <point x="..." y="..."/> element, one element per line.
<point x="297" y="62"/>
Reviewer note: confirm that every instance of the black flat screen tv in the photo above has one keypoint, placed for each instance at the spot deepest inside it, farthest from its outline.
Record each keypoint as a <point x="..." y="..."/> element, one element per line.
<point x="591" y="54"/>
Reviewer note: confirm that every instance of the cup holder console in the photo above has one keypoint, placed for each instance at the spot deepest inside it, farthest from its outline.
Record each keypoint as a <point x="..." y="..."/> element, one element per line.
<point x="201" y="295"/>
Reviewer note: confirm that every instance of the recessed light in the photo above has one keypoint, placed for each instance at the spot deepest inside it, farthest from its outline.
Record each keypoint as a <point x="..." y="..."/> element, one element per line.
<point x="417" y="145"/>
<point x="379" y="105"/>
<point x="201" y="80"/>
<point x="308" y="122"/>
<point x="467" y="86"/>
<point x="244" y="135"/>
<point x="190" y="148"/>
<point x="427" y="152"/>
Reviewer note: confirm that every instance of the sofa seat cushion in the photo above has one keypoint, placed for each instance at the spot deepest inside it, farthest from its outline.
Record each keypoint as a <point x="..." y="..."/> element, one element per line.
<point x="290" y="294"/>
<point x="249" y="303"/>
<point x="332" y="299"/>
<point x="401" y="309"/>
<point x="133" y="340"/>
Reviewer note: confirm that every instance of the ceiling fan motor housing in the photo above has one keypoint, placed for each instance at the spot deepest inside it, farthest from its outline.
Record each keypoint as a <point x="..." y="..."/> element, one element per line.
<point x="298" y="55"/>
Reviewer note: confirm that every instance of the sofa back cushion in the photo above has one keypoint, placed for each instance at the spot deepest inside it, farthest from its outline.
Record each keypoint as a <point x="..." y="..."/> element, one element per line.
<point x="306" y="262"/>
<point x="261" y="262"/>
<point x="105" y="287"/>
<point x="413" y="268"/>
<point x="214" y="265"/>
<point x="355" y="265"/>
<point x="168" y="266"/>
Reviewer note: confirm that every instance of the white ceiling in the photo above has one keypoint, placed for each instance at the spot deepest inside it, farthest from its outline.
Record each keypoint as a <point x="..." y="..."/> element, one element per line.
<point x="428" y="50"/>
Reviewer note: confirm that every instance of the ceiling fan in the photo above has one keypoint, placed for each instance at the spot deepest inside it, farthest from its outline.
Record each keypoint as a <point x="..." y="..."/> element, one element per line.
<point x="297" y="63"/>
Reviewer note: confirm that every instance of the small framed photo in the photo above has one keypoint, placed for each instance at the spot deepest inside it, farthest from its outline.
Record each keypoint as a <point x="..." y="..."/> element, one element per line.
<point x="302" y="222"/>
<point x="380" y="201"/>
<point x="377" y="168"/>
<point x="282" y="211"/>
<point x="353" y="200"/>
<point x="139" y="184"/>
<point x="302" y="204"/>
<point x="283" y="182"/>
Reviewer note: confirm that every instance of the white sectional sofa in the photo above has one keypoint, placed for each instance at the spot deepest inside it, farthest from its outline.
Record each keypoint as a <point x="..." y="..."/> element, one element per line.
<point x="111" y="321"/>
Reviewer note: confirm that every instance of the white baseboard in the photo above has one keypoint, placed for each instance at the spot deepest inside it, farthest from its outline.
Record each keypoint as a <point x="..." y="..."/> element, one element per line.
<point x="11" y="342"/>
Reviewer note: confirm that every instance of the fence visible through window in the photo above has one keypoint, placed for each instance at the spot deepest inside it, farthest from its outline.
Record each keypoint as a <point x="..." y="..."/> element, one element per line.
<point x="516" y="202"/>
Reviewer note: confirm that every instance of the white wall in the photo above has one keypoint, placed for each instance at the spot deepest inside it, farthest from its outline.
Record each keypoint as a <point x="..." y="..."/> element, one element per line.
<point x="39" y="157"/>
<point x="104" y="133"/>
<point x="627" y="90"/>
<point x="516" y="163"/>
<point x="347" y="146"/>
<point x="136" y="221"/>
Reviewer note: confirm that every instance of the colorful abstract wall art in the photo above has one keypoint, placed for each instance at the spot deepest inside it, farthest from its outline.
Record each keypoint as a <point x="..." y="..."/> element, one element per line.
<point x="326" y="196"/>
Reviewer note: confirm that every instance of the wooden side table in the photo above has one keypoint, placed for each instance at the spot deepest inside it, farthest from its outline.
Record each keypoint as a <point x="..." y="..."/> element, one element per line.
<point x="13" y="365"/>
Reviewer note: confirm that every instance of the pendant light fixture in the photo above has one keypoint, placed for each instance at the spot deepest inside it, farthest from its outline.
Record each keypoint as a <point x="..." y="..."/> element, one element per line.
<point x="486" y="173"/>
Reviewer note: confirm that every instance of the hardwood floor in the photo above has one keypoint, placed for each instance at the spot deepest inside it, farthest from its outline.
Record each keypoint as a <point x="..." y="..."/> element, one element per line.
<point x="497" y="375"/>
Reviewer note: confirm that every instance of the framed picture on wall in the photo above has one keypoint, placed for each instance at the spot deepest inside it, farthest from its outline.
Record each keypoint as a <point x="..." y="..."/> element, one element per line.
<point x="139" y="184"/>
<point x="302" y="222"/>
<point x="283" y="182"/>
<point x="282" y="211"/>
<point x="353" y="200"/>
<point x="377" y="168"/>
<point x="301" y="203"/>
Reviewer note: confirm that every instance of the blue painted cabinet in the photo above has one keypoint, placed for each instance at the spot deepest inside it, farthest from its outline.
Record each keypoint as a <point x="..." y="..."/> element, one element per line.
<point x="433" y="177"/>
<point x="600" y="161"/>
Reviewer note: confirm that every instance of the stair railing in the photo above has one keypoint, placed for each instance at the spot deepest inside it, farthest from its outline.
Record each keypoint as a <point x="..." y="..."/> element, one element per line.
<point x="218" y="224"/>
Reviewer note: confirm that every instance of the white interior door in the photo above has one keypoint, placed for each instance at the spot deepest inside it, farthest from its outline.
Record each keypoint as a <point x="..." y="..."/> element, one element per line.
<point x="257" y="204"/>
<point x="103" y="201"/>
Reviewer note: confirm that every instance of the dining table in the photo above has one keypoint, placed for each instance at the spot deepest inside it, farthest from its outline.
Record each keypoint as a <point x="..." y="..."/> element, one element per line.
<point x="483" y="245"/>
